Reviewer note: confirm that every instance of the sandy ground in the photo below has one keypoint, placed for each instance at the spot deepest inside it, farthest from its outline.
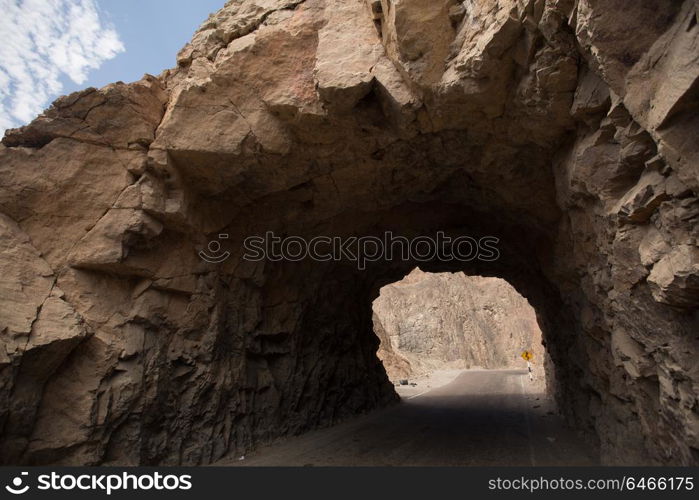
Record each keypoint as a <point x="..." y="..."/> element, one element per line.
<point x="472" y="417"/>
<point x="426" y="383"/>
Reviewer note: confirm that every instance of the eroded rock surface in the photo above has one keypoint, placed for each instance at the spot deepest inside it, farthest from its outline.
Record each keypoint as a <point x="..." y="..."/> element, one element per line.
<point x="431" y="321"/>
<point x="568" y="129"/>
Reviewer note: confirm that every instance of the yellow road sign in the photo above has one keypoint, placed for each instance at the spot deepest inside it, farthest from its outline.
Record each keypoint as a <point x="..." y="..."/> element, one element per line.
<point x="527" y="355"/>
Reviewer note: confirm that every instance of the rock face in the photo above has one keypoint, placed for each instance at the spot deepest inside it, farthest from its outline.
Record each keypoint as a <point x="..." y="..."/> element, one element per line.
<point x="429" y="321"/>
<point x="565" y="128"/>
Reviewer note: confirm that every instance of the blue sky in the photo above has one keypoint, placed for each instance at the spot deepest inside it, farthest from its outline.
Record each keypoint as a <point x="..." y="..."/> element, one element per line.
<point x="53" y="47"/>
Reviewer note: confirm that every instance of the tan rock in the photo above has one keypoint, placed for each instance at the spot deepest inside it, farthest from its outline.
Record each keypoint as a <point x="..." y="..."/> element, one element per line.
<point x="417" y="35"/>
<point x="38" y="330"/>
<point x="118" y="115"/>
<point x="345" y="56"/>
<point x="652" y="247"/>
<point x="429" y="321"/>
<point x="108" y="243"/>
<point x="27" y="282"/>
<point x="640" y="202"/>
<point x="674" y="279"/>
<point x="565" y="129"/>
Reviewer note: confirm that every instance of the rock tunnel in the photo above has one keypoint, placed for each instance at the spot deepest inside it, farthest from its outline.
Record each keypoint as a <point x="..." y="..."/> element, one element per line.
<point x="537" y="123"/>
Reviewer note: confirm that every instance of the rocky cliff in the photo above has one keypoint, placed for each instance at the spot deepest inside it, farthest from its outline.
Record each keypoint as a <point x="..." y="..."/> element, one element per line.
<point x="431" y="321"/>
<point x="565" y="128"/>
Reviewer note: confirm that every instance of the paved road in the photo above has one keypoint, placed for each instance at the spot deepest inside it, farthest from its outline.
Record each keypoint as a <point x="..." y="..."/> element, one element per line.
<point x="483" y="417"/>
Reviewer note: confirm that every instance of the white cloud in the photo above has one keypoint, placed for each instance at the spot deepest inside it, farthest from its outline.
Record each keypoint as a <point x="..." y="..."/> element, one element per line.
<point x="40" y="40"/>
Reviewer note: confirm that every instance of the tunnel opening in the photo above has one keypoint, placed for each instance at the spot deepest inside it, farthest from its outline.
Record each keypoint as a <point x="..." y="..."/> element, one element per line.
<point x="314" y="335"/>
<point x="340" y="400"/>
<point x="431" y="326"/>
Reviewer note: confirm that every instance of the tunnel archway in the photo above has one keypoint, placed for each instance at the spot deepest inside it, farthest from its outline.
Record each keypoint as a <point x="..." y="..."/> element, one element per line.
<point x="335" y="328"/>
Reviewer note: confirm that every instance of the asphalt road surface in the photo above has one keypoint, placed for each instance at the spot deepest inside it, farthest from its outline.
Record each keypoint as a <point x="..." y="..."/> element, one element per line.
<point x="488" y="417"/>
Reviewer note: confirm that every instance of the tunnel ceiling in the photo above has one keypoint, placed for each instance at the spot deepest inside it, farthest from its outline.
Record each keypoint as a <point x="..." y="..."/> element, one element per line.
<point x="545" y="124"/>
